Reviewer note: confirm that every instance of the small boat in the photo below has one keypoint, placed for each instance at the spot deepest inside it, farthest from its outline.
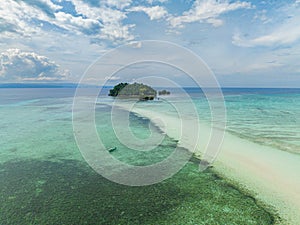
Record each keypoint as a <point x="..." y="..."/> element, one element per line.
<point x="112" y="149"/>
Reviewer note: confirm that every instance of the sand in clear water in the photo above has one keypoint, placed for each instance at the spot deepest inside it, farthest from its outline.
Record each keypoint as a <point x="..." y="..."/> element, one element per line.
<point x="44" y="179"/>
<point x="270" y="174"/>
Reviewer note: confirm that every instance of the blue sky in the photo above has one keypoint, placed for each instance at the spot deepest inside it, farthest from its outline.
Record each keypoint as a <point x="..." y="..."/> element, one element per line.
<point x="245" y="43"/>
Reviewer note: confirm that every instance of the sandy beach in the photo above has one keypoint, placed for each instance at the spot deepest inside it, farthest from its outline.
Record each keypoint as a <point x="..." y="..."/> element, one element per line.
<point x="270" y="175"/>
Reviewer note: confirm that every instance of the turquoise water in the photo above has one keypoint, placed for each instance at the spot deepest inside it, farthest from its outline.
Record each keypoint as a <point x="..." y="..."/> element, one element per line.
<point x="268" y="117"/>
<point x="44" y="179"/>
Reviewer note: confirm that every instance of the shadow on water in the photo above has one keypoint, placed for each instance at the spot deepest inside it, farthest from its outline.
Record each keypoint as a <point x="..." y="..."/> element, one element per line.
<point x="69" y="192"/>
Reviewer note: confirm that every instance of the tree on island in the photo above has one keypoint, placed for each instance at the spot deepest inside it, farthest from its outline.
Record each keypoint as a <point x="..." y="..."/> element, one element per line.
<point x="135" y="90"/>
<point x="115" y="91"/>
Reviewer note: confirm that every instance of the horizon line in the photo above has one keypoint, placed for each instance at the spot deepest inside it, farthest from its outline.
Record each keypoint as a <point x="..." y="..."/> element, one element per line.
<point x="75" y="85"/>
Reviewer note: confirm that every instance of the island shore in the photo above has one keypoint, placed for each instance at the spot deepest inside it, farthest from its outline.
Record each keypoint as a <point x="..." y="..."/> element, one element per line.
<point x="271" y="175"/>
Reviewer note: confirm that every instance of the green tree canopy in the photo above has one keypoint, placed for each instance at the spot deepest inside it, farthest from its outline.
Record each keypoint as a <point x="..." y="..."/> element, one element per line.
<point x="141" y="91"/>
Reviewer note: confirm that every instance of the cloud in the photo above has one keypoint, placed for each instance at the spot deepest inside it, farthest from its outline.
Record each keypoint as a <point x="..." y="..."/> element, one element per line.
<point x="104" y="21"/>
<point x="111" y="20"/>
<point x="17" y="65"/>
<point x="18" y="16"/>
<point x="50" y="4"/>
<point x="119" y="4"/>
<point x="136" y="44"/>
<point x="160" y="1"/>
<point x="78" y="23"/>
<point x="262" y="16"/>
<point x="112" y="78"/>
<point x="117" y="33"/>
<point x="207" y="11"/>
<point x="155" y="12"/>
<point x="277" y="37"/>
<point x="285" y="33"/>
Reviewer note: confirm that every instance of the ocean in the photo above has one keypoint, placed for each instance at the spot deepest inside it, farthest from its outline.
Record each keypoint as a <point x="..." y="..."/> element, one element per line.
<point x="45" y="180"/>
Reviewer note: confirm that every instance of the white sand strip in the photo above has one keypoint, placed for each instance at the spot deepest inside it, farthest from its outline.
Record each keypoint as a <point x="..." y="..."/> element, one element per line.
<point x="273" y="175"/>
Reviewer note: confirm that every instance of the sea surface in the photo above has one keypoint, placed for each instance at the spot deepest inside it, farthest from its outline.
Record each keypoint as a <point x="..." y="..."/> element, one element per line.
<point x="269" y="116"/>
<point x="45" y="180"/>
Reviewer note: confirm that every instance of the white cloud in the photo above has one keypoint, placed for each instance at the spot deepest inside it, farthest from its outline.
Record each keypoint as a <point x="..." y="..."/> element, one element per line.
<point x="153" y="1"/>
<point x="116" y="32"/>
<point x="155" y="12"/>
<point x="21" y="18"/>
<point x="50" y="4"/>
<point x="262" y="16"/>
<point x="112" y="78"/>
<point x="207" y="11"/>
<point x="16" y="65"/>
<point x="283" y="33"/>
<point x="105" y="14"/>
<point x="136" y="44"/>
<point x="278" y="37"/>
<point x="113" y="28"/>
<point x="215" y="22"/>
<point x="15" y="17"/>
<point x="79" y="24"/>
<point x="120" y="4"/>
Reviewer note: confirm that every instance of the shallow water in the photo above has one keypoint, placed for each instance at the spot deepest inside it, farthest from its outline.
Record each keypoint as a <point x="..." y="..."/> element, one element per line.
<point x="69" y="192"/>
<point x="269" y="117"/>
<point x="44" y="179"/>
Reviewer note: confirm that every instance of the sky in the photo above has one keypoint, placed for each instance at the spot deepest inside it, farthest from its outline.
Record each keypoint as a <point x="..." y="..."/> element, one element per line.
<point x="244" y="43"/>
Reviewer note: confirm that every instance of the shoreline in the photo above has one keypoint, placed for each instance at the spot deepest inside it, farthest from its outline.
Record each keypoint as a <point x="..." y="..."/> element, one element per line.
<point x="268" y="174"/>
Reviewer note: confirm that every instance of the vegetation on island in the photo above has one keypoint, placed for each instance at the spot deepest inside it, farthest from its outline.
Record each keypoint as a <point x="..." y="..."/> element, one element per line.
<point x="117" y="89"/>
<point x="135" y="90"/>
<point x="164" y="92"/>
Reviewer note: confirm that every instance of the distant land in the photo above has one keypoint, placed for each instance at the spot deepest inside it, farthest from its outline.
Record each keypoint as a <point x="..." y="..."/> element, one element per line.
<point x="226" y="90"/>
<point x="46" y="85"/>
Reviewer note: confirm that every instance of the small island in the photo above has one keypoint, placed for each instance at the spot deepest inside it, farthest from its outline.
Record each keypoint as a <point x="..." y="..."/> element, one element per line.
<point x="164" y="92"/>
<point x="141" y="91"/>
